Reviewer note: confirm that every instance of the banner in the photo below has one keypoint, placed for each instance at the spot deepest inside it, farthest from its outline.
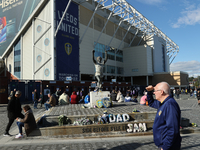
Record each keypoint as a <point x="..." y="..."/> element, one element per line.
<point x="13" y="14"/>
<point x="67" y="41"/>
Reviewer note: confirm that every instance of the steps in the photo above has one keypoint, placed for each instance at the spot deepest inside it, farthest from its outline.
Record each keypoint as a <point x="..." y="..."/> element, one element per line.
<point x="50" y="125"/>
<point x="87" y="129"/>
<point x="53" y="120"/>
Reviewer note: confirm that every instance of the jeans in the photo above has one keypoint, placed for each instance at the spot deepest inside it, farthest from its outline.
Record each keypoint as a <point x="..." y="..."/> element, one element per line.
<point x="20" y="125"/>
<point x="47" y="106"/>
<point x="35" y="104"/>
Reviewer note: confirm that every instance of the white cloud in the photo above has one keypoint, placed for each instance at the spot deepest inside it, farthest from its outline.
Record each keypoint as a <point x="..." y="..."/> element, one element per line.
<point x="191" y="67"/>
<point x="151" y="2"/>
<point x="190" y="16"/>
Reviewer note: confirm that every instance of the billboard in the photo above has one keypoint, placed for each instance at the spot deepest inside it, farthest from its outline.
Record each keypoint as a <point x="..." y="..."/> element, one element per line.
<point x="67" y="41"/>
<point x="13" y="14"/>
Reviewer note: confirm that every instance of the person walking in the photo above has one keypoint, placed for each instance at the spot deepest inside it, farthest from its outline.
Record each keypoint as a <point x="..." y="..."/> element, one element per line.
<point x="36" y="98"/>
<point x="198" y="97"/>
<point x="14" y="111"/>
<point x="143" y="99"/>
<point x="41" y="99"/>
<point x="166" y="125"/>
<point x="57" y="95"/>
<point x="195" y="93"/>
<point x="28" y="122"/>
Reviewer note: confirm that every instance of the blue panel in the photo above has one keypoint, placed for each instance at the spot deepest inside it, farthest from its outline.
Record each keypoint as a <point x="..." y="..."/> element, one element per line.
<point x="67" y="41"/>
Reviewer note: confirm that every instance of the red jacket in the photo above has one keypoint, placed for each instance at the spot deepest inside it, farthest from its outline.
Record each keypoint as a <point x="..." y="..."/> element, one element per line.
<point x="74" y="99"/>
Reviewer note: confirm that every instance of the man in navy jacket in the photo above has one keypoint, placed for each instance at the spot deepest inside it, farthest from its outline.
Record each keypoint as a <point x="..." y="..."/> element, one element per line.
<point x="167" y="121"/>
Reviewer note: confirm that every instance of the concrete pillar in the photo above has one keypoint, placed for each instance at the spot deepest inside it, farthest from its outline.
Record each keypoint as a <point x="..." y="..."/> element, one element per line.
<point x="147" y="80"/>
<point x="132" y="81"/>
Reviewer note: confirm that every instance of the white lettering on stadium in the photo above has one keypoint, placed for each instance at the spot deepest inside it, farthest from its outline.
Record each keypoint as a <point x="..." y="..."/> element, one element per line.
<point x="5" y="3"/>
<point x="68" y="17"/>
<point x="68" y="28"/>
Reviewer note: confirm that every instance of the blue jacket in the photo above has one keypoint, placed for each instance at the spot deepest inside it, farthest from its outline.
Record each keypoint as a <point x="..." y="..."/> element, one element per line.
<point x="87" y="99"/>
<point x="167" y="123"/>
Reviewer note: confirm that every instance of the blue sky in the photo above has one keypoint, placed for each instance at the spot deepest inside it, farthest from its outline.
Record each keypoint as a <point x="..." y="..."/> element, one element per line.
<point x="180" y="21"/>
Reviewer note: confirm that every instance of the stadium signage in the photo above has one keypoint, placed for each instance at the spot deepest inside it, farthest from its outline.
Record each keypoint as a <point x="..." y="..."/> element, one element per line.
<point x="6" y="3"/>
<point x="67" y="41"/>
<point x="66" y="27"/>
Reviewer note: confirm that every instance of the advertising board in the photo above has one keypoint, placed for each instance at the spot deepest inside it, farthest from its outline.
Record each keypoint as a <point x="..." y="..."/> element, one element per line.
<point x="67" y="41"/>
<point x="13" y="14"/>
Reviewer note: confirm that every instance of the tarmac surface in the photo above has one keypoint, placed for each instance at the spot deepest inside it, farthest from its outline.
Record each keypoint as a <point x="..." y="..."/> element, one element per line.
<point x="189" y="109"/>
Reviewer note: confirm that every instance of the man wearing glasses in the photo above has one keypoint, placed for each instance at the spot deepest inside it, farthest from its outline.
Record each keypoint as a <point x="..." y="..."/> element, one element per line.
<point x="167" y="121"/>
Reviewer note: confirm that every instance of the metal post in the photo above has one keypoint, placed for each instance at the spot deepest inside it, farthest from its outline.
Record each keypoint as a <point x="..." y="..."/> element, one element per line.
<point x="90" y="21"/>
<point x="133" y="38"/>
<point x="103" y="28"/>
<point x="62" y="17"/>
<point x="124" y="37"/>
<point x="115" y="32"/>
<point x="140" y="40"/>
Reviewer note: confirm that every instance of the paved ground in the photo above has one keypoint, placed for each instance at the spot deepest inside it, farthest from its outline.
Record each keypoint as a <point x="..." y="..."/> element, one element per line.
<point x="189" y="109"/>
<point x="189" y="142"/>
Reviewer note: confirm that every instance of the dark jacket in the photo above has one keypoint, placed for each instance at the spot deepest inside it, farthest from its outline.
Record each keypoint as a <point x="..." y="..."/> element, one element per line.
<point x="198" y="95"/>
<point x="52" y="101"/>
<point x="167" y="123"/>
<point x="14" y="108"/>
<point x="36" y="96"/>
<point x="113" y="96"/>
<point x="29" y="122"/>
<point x="42" y="99"/>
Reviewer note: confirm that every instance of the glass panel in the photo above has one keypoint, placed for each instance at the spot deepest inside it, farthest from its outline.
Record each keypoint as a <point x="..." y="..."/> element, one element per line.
<point x="111" y="69"/>
<point x="119" y="55"/>
<point x="120" y="70"/>
<point x="99" y="50"/>
<point x="17" y="59"/>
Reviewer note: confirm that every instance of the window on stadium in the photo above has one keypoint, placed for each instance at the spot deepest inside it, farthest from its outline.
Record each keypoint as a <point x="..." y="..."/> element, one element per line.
<point x="120" y="70"/>
<point x="110" y="52"/>
<point x="111" y="69"/>
<point x="17" y="59"/>
<point x="119" y="55"/>
<point x="99" y="50"/>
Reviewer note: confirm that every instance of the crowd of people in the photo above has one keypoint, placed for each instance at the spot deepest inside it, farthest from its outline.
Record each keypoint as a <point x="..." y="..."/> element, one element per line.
<point x="164" y="102"/>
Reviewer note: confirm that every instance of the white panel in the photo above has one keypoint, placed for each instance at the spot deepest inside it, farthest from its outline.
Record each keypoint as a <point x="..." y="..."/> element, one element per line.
<point x="45" y="72"/>
<point x="27" y="55"/>
<point x="149" y="61"/>
<point x="41" y="28"/>
<point x="135" y="58"/>
<point x="158" y="54"/>
<point x="43" y="45"/>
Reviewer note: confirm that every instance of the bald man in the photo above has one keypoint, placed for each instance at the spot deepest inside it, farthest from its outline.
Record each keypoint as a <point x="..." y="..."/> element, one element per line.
<point x="167" y="121"/>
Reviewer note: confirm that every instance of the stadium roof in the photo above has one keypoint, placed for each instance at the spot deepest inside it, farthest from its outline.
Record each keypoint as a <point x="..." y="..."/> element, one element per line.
<point x="128" y="13"/>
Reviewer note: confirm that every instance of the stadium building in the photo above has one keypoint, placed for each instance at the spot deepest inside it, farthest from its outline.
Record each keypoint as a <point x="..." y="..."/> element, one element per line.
<point x="49" y="40"/>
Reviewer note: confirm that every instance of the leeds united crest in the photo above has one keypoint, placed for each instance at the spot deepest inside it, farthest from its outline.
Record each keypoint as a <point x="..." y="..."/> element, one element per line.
<point x="68" y="48"/>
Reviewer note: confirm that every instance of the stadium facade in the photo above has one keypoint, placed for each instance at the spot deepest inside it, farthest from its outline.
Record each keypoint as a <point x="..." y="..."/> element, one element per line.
<point x="53" y="40"/>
